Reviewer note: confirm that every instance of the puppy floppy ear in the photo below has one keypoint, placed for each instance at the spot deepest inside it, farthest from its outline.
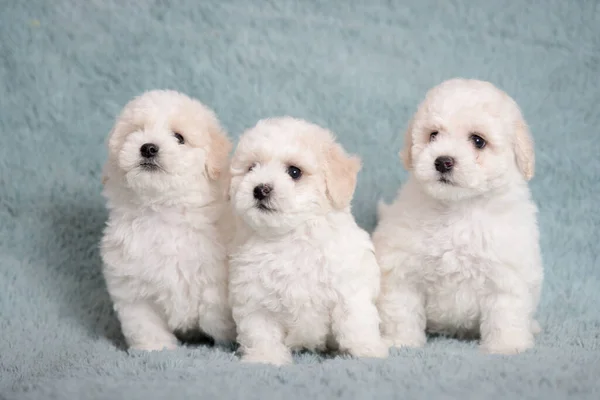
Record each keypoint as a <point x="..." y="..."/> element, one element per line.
<point x="523" y="148"/>
<point x="110" y="145"/>
<point x="226" y="184"/>
<point x="341" y="171"/>
<point x="406" y="152"/>
<point x="218" y="154"/>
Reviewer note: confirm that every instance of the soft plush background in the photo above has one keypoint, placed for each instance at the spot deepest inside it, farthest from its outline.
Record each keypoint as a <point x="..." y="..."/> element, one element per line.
<point x="357" y="67"/>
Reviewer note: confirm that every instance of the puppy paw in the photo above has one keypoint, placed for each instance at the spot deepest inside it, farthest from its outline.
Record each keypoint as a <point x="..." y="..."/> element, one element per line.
<point x="224" y="337"/>
<point x="417" y="339"/>
<point x="508" y="343"/>
<point x="267" y="357"/>
<point x="374" y="350"/>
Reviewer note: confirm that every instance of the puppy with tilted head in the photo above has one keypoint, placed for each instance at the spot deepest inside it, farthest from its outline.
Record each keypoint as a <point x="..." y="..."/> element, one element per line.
<point x="164" y="249"/>
<point x="303" y="275"/>
<point x="459" y="247"/>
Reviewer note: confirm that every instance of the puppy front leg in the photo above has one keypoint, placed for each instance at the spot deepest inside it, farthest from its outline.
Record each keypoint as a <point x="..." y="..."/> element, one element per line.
<point x="506" y="325"/>
<point x="144" y="328"/>
<point x="261" y="339"/>
<point x="402" y="312"/>
<point x="215" y="315"/>
<point x="355" y="325"/>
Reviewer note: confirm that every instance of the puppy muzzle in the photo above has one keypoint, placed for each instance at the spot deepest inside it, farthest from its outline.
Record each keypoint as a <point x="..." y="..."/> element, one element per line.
<point x="262" y="194"/>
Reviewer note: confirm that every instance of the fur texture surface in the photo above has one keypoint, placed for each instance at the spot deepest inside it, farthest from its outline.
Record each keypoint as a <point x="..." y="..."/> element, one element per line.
<point x="164" y="246"/>
<point x="358" y="68"/>
<point x="303" y="275"/>
<point x="459" y="247"/>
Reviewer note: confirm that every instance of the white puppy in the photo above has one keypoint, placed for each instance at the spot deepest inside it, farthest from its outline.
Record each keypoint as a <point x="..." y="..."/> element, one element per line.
<point x="459" y="247"/>
<point x="302" y="273"/>
<point x="163" y="249"/>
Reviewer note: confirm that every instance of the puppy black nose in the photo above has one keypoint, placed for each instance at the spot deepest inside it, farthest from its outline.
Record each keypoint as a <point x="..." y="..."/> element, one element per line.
<point x="262" y="191"/>
<point x="444" y="163"/>
<point x="149" y="150"/>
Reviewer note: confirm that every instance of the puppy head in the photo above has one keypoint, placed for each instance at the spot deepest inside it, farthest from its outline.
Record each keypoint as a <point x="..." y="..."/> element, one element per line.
<point x="286" y="171"/>
<point x="166" y="143"/>
<point x="467" y="138"/>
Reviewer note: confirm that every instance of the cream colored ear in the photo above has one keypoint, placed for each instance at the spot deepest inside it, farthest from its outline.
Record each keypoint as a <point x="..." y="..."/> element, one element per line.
<point x="406" y="152"/>
<point x="524" y="152"/>
<point x="217" y="158"/>
<point x="341" y="171"/>
<point x="115" y="137"/>
<point x="226" y="184"/>
<point x="110" y="144"/>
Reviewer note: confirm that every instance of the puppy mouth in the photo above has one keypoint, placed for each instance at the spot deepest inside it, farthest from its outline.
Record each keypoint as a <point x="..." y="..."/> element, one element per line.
<point x="444" y="179"/>
<point x="264" y="208"/>
<point x="150" y="166"/>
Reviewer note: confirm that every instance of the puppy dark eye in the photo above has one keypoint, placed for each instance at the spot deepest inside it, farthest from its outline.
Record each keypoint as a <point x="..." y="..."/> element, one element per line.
<point x="294" y="172"/>
<point x="478" y="141"/>
<point x="432" y="136"/>
<point x="179" y="138"/>
<point x="251" y="167"/>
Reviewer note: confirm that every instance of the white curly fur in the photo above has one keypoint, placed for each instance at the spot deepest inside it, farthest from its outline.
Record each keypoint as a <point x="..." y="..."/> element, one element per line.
<point x="303" y="274"/>
<point x="163" y="246"/>
<point x="462" y="257"/>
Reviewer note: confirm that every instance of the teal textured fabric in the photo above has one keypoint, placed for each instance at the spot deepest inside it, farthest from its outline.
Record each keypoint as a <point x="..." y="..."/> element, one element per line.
<point x="357" y="67"/>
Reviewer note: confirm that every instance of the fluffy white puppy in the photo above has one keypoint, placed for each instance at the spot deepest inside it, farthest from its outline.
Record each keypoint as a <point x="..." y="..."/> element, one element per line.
<point x="163" y="250"/>
<point x="459" y="247"/>
<point x="302" y="273"/>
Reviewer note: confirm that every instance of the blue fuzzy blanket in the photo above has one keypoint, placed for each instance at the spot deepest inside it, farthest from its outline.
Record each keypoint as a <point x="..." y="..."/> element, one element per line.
<point x="357" y="67"/>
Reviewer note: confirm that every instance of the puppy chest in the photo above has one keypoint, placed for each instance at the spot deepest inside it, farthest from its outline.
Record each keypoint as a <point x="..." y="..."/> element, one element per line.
<point x="160" y="259"/>
<point x="457" y="250"/>
<point x="305" y="290"/>
<point x="294" y="282"/>
<point x="455" y="270"/>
